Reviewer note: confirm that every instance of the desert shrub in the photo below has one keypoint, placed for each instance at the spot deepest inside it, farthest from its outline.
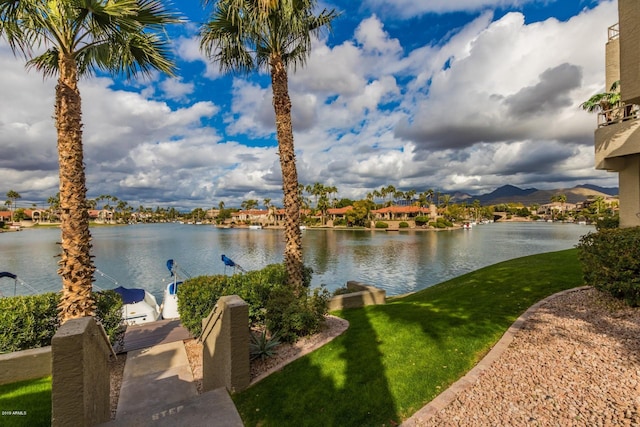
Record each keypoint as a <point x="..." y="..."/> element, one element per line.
<point x="262" y="346"/>
<point x="611" y="262"/>
<point x="381" y="224"/>
<point x="293" y="317"/>
<point x="340" y="222"/>
<point x="403" y="224"/>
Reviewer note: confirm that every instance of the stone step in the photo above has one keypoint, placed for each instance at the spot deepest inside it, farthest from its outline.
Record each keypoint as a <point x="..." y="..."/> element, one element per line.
<point x="213" y="409"/>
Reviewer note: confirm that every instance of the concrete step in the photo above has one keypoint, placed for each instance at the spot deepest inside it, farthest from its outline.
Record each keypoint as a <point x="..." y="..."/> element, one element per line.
<point x="213" y="409"/>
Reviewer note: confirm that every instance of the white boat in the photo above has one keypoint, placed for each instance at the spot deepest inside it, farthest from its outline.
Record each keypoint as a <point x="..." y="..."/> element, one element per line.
<point x="138" y="306"/>
<point x="255" y="227"/>
<point x="169" y="308"/>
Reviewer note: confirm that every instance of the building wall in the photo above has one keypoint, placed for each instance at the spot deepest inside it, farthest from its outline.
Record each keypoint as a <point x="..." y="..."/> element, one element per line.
<point x="629" y="16"/>
<point x="612" y="62"/>
<point x="629" y="177"/>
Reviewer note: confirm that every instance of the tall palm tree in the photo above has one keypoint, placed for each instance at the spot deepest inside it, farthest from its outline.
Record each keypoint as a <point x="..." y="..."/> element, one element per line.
<point x="242" y="37"/>
<point x="12" y="196"/>
<point x="82" y="36"/>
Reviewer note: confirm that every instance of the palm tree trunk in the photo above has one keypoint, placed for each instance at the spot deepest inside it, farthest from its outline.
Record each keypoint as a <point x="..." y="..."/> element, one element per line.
<point x="293" y="235"/>
<point x="76" y="266"/>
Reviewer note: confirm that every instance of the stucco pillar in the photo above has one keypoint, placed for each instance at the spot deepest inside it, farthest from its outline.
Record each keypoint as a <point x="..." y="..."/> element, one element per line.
<point x="80" y="353"/>
<point x="225" y="358"/>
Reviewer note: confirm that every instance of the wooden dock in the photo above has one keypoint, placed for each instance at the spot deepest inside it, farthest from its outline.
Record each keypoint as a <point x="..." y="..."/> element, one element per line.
<point x="153" y="333"/>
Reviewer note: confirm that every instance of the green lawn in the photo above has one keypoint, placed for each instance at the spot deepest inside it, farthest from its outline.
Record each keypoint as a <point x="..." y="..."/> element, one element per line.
<point x="395" y="358"/>
<point x="26" y="403"/>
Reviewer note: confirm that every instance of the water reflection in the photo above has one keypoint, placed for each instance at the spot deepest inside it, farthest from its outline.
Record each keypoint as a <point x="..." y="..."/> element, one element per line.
<point x="399" y="262"/>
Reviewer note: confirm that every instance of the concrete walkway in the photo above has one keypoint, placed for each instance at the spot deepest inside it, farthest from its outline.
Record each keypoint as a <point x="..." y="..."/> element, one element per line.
<point x="158" y="390"/>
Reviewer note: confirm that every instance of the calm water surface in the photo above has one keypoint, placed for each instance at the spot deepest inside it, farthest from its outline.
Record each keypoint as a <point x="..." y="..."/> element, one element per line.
<point x="399" y="262"/>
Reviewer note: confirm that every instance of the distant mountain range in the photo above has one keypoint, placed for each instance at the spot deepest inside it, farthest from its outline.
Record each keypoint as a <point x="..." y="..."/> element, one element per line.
<point x="529" y="196"/>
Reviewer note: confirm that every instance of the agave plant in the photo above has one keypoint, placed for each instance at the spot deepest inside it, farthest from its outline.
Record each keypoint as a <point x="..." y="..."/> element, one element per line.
<point x="262" y="346"/>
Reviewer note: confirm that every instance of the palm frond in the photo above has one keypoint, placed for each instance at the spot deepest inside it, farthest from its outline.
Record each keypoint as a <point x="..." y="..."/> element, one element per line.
<point x="47" y="63"/>
<point x="108" y="35"/>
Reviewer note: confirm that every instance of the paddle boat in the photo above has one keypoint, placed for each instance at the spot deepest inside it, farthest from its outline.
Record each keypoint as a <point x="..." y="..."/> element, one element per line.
<point x="138" y="306"/>
<point x="170" y="298"/>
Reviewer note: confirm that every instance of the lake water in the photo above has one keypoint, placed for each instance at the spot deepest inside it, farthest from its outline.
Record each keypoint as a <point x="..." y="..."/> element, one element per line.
<point x="398" y="262"/>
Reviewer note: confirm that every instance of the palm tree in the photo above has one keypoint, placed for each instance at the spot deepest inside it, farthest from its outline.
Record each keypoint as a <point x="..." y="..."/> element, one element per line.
<point x="83" y="36"/>
<point x="242" y="36"/>
<point x="12" y="196"/>
<point x="604" y="102"/>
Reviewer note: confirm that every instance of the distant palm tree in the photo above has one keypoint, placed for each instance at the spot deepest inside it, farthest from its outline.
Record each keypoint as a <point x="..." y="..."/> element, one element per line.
<point x="242" y="37"/>
<point x="12" y="196"/>
<point x="83" y="36"/>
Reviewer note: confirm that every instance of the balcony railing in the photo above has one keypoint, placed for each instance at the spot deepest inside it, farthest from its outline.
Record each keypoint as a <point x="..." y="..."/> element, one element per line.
<point x="618" y="114"/>
<point x="614" y="31"/>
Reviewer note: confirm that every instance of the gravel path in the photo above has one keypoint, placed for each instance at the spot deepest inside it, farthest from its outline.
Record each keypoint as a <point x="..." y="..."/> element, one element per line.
<point x="575" y="361"/>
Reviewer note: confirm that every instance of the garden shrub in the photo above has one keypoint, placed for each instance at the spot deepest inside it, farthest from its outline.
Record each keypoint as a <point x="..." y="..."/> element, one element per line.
<point x="611" y="262"/>
<point x="443" y="223"/>
<point x="403" y="224"/>
<point x="608" y="223"/>
<point x="199" y="295"/>
<point x="28" y="321"/>
<point x="440" y="223"/>
<point x="109" y="314"/>
<point x="31" y="321"/>
<point x="381" y="224"/>
<point x="422" y="220"/>
<point x="293" y="317"/>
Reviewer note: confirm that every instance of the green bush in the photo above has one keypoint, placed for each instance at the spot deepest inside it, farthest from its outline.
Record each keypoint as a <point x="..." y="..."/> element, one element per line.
<point x="381" y="224"/>
<point x="28" y="321"/>
<point x="263" y="290"/>
<point x="293" y="317"/>
<point x="403" y="224"/>
<point x="611" y="262"/>
<point x="422" y="220"/>
<point x="31" y="321"/>
<point x="608" y="223"/>
<point x="197" y="297"/>
<point x="339" y="222"/>
<point x="109" y="314"/>
<point x="441" y="223"/>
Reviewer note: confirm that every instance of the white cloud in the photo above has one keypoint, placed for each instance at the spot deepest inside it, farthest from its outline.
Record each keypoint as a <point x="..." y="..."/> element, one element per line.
<point x="176" y="89"/>
<point x="493" y="103"/>
<point x="412" y="8"/>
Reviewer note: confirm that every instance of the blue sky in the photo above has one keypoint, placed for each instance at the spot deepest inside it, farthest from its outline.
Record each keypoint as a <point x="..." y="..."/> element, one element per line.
<point x="454" y="95"/>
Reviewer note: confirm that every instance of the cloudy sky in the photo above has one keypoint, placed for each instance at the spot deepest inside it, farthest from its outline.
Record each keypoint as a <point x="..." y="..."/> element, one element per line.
<point x="453" y="95"/>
